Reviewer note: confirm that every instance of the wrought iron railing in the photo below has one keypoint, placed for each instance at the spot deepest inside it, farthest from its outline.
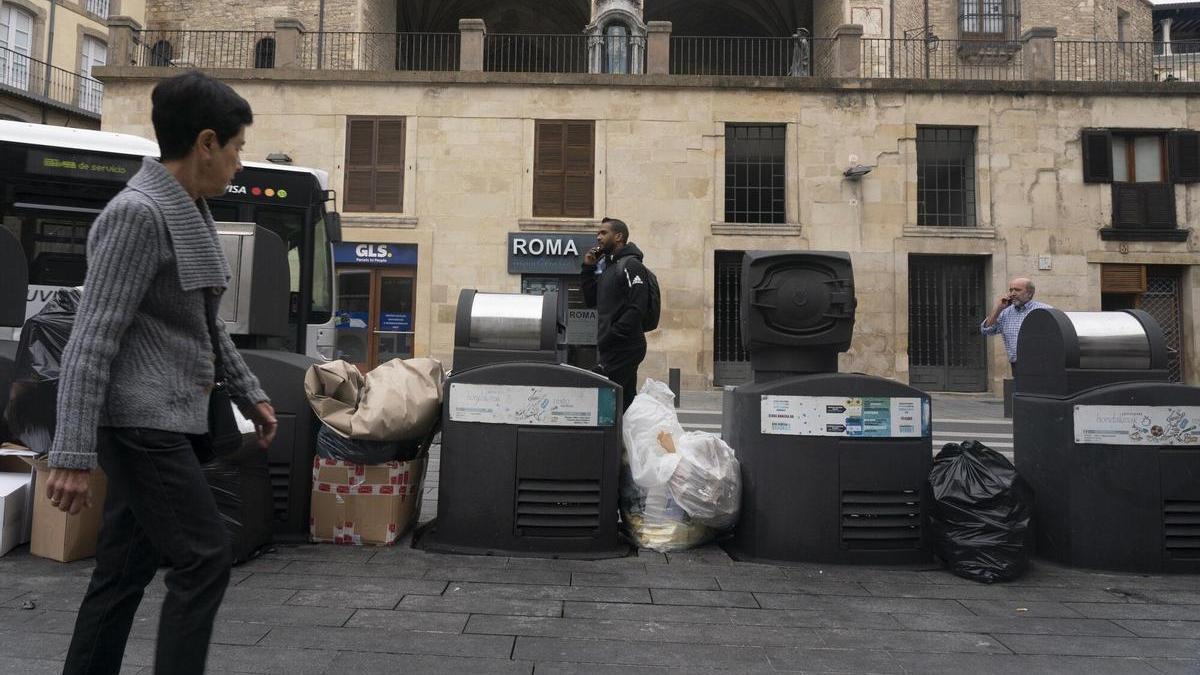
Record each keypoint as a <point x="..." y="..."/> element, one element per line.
<point x="931" y="58"/>
<point x="1092" y="61"/>
<point x="29" y="77"/>
<point x="530" y="53"/>
<point x="380" y="51"/>
<point x="797" y="56"/>
<point x="206" y="48"/>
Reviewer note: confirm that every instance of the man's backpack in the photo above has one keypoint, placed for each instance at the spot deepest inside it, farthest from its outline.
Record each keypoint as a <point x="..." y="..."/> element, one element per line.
<point x="653" y="300"/>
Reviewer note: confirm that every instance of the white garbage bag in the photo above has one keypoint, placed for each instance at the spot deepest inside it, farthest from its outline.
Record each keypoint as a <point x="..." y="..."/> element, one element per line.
<point x="707" y="482"/>
<point x="651" y="413"/>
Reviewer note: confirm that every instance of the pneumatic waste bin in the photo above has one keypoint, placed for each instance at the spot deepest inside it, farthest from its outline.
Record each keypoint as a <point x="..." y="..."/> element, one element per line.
<point x="531" y="448"/>
<point x="1110" y="447"/>
<point x="833" y="463"/>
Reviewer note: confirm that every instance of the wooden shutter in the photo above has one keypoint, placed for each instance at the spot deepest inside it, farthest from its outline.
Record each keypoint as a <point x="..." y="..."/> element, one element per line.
<point x="1158" y="200"/>
<point x="1122" y="278"/>
<point x="1097" y="155"/>
<point x="564" y="169"/>
<point x="1184" y="148"/>
<point x="375" y="164"/>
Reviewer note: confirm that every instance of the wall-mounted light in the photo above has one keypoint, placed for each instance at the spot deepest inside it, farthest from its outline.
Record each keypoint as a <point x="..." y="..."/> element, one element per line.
<point x="279" y="158"/>
<point x="857" y="171"/>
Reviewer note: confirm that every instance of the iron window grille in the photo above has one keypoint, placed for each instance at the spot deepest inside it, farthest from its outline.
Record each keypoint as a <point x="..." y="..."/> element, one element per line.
<point x="946" y="176"/>
<point x="755" y="184"/>
<point x="989" y="20"/>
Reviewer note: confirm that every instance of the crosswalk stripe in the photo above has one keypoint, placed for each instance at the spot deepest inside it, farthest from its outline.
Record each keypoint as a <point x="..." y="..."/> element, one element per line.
<point x="947" y="420"/>
<point x="991" y="444"/>
<point x="970" y="434"/>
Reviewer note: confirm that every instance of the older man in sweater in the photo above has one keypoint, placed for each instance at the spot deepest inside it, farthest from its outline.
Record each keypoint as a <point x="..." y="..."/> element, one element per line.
<point x="137" y="373"/>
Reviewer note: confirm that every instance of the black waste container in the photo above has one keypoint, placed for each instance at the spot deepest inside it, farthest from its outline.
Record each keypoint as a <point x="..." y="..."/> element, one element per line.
<point x="1111" y="449"/>
<point x="833" y="464"/>
<point x="14" y="286"/>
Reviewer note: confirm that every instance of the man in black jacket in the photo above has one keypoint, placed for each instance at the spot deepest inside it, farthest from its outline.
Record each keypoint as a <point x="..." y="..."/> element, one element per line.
<point x="620" y="294"/>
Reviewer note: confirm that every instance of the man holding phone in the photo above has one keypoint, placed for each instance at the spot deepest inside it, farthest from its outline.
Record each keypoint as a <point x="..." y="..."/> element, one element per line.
<point x="1009" y="313"/>
<point x="614" y="282"/>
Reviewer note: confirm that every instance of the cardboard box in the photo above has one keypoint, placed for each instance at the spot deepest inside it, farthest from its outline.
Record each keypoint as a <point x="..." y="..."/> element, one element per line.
<point x="16" y="497"/>
<point x="364" y="504"/>
<point x="60" y="536"/>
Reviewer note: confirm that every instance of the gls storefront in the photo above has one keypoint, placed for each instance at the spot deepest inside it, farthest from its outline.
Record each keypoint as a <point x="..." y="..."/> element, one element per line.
<point x="549" y="262"/>
<point x="376" y="283"/>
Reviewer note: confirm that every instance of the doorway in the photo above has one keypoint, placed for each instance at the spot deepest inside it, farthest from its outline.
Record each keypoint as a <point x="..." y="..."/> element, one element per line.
<point x="375" y="316"/>
<point x="946" y="303"/>
<point x="1155" y="289"/>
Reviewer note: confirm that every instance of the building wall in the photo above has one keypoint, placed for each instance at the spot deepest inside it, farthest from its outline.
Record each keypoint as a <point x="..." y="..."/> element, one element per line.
<point x="340" y="15"/>
<point x="24" y="110"/>
<point x="660" y="159"/>
<point x="1075" y="19"/>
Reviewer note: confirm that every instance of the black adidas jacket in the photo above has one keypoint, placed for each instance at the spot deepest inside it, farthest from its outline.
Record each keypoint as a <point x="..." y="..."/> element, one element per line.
<point x="620" y="296"/>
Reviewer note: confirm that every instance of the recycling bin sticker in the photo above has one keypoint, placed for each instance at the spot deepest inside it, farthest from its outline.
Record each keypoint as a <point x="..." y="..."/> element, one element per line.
<point x="852" y="417"/>
<point x="1158" y="425"/>
<point x="533" y="406"/>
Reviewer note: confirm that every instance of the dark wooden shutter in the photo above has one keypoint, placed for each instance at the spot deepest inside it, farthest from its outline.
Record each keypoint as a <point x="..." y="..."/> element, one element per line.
<point x="1184" y="148"/>
<point x="1097" y="155"/>
<point x="389" y="165"/>
<point x="1122" y="278"/>
<point x="375" y="164"/>
<point x="564" y="169"/>
<point x="1127" y="206"/>
<point x="579" y="179"/>
<point x="1158" y="199"/>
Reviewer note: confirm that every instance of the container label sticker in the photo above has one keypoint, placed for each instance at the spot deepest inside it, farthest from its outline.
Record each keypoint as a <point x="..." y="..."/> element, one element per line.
<point x="533" y="406"/>
<point x="853" y="417"/>
<point x="1137" y="425"/>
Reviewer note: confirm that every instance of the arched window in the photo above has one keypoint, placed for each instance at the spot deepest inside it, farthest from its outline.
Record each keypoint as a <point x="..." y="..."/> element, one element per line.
<point x="617" y="48"/>
<point x="264" y="53"/>
<point x="161" y="53"/>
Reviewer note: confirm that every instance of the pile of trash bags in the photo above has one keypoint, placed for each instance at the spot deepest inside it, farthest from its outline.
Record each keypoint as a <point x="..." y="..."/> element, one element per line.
<point x="389" y="414"/>
<point x="679" y="489"/>
<point x="981" y="508"/>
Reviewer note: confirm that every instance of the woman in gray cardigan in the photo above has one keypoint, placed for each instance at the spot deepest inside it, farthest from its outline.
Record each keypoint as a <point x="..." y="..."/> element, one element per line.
<point x="137" y="372"/>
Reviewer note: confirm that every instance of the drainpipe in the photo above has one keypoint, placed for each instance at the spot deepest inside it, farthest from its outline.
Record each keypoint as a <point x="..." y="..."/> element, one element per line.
<point x="49" y="61"/>
<point x="320" y="31"/>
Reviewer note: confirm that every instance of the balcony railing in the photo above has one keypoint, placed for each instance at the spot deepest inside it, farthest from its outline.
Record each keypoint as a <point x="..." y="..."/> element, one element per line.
<point x="379" y="51"/>
<point x="206" y="49"/>
<point x="1036" y="56"/>
<point x="936" y="59"/>
<point x="40" y="81"/>
<point x="796" y="56"/>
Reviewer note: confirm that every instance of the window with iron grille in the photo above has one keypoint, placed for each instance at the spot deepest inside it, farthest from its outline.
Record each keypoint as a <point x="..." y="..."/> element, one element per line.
<point x="564" y="168"/>
<point x="755" y="183"/>
<point x="264" y="53"/>
<point x="375" y="164"/>
<point x="946" y="176"/>
<point x="996" y="20"/>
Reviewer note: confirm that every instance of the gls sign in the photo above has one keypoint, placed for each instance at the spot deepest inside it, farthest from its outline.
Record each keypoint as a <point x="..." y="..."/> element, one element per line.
<point x="363" y="253"/>
<point x="373" y="251"/>
<point x="547" y="252"/>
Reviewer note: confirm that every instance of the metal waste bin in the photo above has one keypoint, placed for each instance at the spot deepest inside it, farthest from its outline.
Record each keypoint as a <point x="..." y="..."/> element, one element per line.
<point x="833" y="464"/>
<point x="1111" y="448"/>
<point x="531" y="448"/>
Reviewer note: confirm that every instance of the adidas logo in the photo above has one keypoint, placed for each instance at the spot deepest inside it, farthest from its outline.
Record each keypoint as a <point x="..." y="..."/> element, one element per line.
<point x="637" y="279"/>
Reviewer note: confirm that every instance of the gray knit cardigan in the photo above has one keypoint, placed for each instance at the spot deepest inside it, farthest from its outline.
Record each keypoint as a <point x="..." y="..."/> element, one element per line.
<point x="139" y="354"/>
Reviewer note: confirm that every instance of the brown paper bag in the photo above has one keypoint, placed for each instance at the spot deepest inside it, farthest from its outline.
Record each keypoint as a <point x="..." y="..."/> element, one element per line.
<point x="398" y="401"/>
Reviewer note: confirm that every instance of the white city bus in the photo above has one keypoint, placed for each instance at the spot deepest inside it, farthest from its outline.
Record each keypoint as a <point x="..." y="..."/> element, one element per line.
<point x="55" y="180"/>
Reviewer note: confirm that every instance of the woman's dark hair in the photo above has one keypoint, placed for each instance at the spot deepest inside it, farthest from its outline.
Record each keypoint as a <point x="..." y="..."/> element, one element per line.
<point x="187" y="104"/>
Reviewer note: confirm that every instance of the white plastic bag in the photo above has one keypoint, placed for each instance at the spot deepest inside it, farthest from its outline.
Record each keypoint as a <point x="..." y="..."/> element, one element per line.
<point x="651" y="413"/>
<point x="707" y="482"/>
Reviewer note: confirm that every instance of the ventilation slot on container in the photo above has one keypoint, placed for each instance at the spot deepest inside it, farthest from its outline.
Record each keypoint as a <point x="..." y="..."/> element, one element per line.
<point x="281" y="481"/>
<point x="881" y="520"/>
<point x="1181" y="529"/>
<point x="557" y="508"/>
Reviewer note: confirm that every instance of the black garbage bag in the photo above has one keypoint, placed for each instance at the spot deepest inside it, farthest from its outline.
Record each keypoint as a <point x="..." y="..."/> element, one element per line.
<point x="241" y="485"/>
<point x="331" y="445"/>
<point x="979" y="521"/>
<point x="33" y="395"/>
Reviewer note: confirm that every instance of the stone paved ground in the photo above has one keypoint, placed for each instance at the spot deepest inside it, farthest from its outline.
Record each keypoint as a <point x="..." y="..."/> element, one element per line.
<point x="328" y="609"/>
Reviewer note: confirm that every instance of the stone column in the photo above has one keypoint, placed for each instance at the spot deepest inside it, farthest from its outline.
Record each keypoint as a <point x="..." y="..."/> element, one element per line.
<point x="847" y="51"/>
<point x="658" y="48"/>
<point x="1037" y="50"/>
<point x="122" y="41"/>
<point x="288" y="41"/>
<point x="470" y="48"/>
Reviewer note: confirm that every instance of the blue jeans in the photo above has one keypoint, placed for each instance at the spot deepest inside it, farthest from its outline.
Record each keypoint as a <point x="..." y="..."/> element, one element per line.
<point x="159" y="506"/>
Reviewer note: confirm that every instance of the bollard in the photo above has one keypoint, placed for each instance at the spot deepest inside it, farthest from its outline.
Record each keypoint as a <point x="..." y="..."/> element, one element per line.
<point x="673" y="381"/>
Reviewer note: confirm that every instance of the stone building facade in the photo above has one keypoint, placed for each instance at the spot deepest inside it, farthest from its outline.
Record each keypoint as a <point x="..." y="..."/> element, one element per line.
<point x="661" y="155"/>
